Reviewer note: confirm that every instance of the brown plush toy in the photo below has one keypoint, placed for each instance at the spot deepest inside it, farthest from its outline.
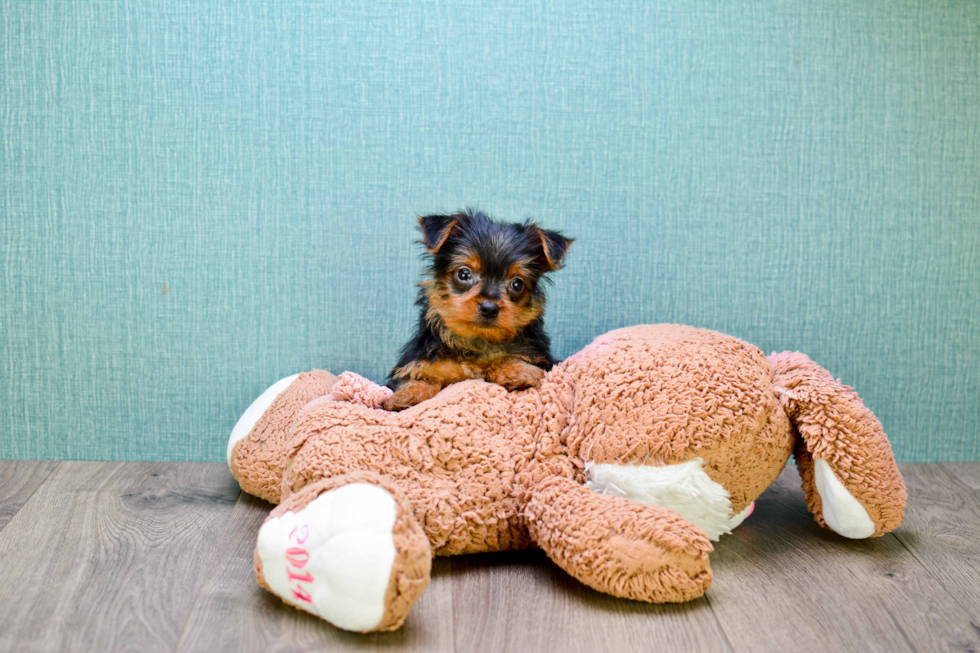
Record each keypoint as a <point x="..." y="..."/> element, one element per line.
<point x="622" y="466"/>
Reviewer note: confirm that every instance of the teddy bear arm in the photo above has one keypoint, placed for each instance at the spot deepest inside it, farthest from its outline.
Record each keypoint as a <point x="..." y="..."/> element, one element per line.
<point x="258" y="444"/>
<point x="852" y="483"/>
<point x="617" y="546"/>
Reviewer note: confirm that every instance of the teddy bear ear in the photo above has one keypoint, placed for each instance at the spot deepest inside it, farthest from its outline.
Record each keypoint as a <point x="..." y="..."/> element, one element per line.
<point x="436" y="229"/>
<point x="554" y="246"/>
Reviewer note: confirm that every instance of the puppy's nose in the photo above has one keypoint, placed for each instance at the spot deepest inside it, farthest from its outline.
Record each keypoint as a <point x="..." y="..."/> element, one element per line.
<point x="488" y="310"/>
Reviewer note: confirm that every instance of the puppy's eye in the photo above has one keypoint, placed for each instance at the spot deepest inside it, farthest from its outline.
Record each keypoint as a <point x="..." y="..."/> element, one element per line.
<point x="464" y="274"/>
<point x="517" y="285"/>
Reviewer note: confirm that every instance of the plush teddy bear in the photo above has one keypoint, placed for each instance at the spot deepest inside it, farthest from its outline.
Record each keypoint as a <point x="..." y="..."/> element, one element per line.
<point x="623" y="465"/>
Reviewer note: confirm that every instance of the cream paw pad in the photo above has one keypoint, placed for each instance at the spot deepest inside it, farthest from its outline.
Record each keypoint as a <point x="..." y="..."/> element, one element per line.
<point x="347" y="550"/>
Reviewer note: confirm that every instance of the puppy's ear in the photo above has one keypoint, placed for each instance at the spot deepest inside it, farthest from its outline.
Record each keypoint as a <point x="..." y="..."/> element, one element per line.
<point x="554" y="246"/>
<point x="436" y="229"/>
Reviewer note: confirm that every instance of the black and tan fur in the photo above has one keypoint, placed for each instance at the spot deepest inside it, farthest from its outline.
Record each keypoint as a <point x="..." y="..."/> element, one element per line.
<point x="482" y="303"/>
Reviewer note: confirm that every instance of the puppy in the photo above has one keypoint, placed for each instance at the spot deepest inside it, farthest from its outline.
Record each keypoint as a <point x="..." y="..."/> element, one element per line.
<point x="481" y="303"/>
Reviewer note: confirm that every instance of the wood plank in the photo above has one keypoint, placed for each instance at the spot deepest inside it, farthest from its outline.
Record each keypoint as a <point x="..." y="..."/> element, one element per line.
<point x="108" y="556"/>
<point x="521" y="601"/>
<point x="19" y="479"/>
<point x="968" y="474"/>
<point x="784" y="583"/>
<point x="232" y="613"/>
<point x="942" y="527"/>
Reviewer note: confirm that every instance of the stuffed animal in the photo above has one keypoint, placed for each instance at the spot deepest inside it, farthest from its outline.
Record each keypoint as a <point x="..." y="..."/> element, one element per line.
<point x="623" y="465"/>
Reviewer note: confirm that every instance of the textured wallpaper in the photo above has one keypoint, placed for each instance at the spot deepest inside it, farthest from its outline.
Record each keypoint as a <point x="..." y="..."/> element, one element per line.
<point x="200" y="198"/>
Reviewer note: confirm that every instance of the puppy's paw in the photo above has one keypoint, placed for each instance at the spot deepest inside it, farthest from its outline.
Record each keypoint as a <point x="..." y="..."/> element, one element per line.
<point x="411" y="393"/>
<point x="516" y="375"/>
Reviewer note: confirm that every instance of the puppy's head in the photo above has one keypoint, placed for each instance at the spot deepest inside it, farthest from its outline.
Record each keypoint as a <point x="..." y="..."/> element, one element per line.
<point x="485" y="278"/>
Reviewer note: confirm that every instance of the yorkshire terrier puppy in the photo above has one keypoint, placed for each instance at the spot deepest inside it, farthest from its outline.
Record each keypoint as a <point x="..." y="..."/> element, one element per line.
<point x="482" y="303"/>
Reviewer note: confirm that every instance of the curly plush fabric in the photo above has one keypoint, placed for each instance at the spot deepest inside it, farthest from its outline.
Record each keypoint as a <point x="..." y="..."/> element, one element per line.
<point x="482" y="469"/>
<point x="456" y="461"/>
<point x="257" y="460"/>
<point x="835" y="426"/>
<point x="666" y="395"/>
<point x="355" y="389"/>
<point x="620" y="547"/>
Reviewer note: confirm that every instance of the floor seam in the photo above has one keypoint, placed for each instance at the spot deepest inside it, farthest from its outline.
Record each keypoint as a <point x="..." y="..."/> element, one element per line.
<point x="900" y="629"/>
<point x="206" y="574"/>
<point x="898" y="537"/>
<point x="31" y="495"/>
<point x="714" y="615"/>
<point x="452" y="599"/>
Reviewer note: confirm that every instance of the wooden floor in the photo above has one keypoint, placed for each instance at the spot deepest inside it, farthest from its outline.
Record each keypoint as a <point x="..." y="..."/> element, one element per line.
<point x="158" y="557"/>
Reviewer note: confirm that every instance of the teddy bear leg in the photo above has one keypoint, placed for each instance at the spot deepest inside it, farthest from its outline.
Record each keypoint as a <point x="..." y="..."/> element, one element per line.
<point x="849" y="474"/>
<point x="617" y="546"/>
<point x="348" y="550"/>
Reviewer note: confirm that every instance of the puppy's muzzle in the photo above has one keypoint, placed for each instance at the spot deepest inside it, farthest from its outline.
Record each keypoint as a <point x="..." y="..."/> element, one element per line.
<point x="488" y="311"/>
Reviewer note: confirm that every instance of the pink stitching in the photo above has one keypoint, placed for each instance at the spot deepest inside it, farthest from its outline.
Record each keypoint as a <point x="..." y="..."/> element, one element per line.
<point x="298" y="557"/>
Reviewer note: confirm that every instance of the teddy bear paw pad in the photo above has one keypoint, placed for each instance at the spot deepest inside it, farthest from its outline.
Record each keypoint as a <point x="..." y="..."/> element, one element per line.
<point x="334" y="556"/>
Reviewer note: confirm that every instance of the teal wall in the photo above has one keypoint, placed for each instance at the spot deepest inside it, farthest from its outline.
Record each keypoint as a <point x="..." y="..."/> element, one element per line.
<point x="199" y="198"/>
